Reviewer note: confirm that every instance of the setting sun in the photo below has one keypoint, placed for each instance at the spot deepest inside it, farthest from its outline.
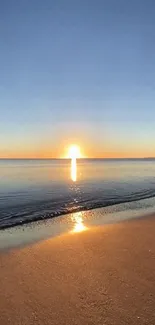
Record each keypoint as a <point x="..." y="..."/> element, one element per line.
<point x="74" y="152"/>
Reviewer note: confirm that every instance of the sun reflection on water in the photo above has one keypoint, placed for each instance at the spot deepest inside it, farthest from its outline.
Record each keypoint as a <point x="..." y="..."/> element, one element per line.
<point x="73" y="170"/>
<point x="78" y="222"/>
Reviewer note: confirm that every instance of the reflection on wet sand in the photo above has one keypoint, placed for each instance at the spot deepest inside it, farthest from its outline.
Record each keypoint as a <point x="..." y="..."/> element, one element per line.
<point x="77" y="219"/>
<point x="73" y="170"/>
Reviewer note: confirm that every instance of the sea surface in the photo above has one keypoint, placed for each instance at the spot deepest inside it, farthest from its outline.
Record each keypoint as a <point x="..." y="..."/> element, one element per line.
<point x="32" y="190"/>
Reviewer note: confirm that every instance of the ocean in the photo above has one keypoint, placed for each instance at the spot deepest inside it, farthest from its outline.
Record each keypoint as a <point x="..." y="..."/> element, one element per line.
<point x="32" y="190"/>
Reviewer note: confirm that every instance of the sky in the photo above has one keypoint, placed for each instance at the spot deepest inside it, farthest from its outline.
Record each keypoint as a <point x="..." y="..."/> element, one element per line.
<point x="77" y="71"/>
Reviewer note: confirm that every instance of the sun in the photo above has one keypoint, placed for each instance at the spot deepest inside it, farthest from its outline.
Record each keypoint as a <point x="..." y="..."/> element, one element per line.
<point x="74" y="152"/>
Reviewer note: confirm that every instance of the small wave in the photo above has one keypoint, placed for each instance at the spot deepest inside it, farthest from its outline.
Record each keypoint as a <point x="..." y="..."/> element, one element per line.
<point x="43" y="210"/>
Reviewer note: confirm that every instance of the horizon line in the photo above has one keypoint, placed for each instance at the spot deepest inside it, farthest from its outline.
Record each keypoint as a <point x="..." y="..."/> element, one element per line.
<point x="60" y="158"/>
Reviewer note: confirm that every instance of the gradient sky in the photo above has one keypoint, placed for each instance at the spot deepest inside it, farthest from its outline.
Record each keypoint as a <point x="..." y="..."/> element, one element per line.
<point x="77" y="71"/>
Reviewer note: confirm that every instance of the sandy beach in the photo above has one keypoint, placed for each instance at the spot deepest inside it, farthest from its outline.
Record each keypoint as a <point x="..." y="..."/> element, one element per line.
<point x="104" y="275"/>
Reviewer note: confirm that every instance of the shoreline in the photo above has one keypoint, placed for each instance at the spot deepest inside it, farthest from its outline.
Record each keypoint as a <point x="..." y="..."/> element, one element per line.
<point x="36" y="231"/>
<point x="104" y="275"/>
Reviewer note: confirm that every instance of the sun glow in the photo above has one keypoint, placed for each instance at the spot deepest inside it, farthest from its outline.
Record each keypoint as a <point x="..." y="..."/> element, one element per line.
<point x="74" y="152"/>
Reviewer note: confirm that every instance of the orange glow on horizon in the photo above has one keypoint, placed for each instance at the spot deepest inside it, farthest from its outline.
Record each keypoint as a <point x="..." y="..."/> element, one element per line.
<point x="87" y="150"/>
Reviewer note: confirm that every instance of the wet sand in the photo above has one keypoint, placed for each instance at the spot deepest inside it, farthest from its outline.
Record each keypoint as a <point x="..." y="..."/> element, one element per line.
<point x="105" y="275"/>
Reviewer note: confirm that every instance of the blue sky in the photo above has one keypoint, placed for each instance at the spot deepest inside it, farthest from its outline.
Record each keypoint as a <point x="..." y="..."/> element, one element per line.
<point x="77" y="71"/>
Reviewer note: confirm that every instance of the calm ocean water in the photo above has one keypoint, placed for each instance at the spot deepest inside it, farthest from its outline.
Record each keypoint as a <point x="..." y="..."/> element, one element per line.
<point x="38" y="189"/>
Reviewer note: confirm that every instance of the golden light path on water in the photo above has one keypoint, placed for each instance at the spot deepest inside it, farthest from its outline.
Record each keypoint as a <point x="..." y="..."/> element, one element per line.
<point x="73" y="154"/>
<point x="77" y="218"/>
<point x="73" y="170"/>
